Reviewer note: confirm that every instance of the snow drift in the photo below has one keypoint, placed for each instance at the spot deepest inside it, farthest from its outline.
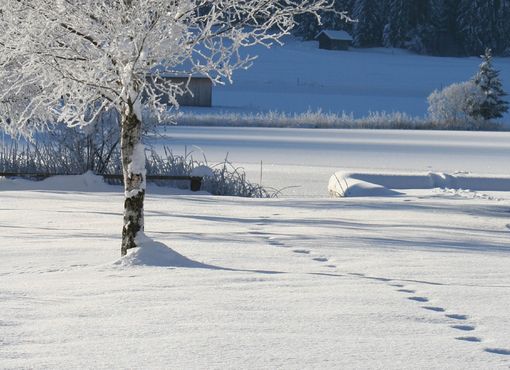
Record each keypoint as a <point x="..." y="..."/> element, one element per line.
<point x="351" y="184"/>
<point x="153" y="253"/>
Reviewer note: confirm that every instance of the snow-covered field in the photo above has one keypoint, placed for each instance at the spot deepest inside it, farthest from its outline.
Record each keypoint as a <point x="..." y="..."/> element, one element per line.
<point x="353" y="283"/>
<point x="298" y="77"/>
<point x="301" y="161"/>
<point x="419" y="280"/>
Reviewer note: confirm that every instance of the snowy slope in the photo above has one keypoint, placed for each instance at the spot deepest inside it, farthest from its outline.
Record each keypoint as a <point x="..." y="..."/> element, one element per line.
<point x="299" y="76"/>
<point x="378" y="283"/>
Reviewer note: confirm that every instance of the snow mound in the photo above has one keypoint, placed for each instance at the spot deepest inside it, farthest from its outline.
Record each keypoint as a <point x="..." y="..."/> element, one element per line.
<point x="202" y="171"/>
<point x="348" y="187"/>
<point x="88" y="182"/>
<point x="346" y="184"/>
<point x="153" y="253"/>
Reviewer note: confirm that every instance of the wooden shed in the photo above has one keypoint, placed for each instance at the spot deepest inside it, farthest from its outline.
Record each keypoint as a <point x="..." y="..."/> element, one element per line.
<point x="201" y="88"/>
<point x="334" y="40"/>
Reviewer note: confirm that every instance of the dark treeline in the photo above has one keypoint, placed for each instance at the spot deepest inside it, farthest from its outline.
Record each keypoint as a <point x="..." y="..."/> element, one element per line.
<point x="437" y="27"/>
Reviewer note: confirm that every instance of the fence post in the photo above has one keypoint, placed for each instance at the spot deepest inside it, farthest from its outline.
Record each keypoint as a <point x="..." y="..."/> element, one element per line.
<point x="196" y="183"/>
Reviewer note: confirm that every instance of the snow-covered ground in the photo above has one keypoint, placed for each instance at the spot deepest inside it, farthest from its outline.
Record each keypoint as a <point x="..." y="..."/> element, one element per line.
<point x="303" y="160"/>
<point x="419" y="280"/>
<point x="298" y="76"/>
<point x="383" y="283"/>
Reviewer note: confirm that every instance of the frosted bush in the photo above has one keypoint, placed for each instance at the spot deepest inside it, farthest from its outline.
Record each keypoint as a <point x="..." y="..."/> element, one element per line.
<point x="309" y="119"/>
<point x="452" y="106"/>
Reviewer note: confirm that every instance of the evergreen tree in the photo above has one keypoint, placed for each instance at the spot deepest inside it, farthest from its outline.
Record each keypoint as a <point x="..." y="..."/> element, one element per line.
<point x="368" y="29"/>
<point x="308" y="27"/>
<point x="397" y="25"/>
<point x="444" y="20"/>
<point x="487" y="80"/>
<point x="409" y="25"/>
<point x="443" y="27"/>
<point x="503" y="27"/>
<point x="476" y="24"/>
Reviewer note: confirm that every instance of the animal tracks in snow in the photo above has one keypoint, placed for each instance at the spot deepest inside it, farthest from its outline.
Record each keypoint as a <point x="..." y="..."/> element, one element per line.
<point x="457" y="317"/>
<point x="321" y="259"/>
<point x="463" y="327"/>
<point x="498" y="351"/>
<point x="418" y="299"/>
<point x="301" y="251"/>
<point x="436" y="309"/>
<point x="451" y="317"/>
<point x="469" y="339"/>
<point x="274" y="241"/>
<point x="411" y="294"/>
<point x="406" y="291"/>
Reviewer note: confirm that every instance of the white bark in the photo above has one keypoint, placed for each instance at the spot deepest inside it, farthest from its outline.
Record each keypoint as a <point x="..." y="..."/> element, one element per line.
<point x="133" y="164"/>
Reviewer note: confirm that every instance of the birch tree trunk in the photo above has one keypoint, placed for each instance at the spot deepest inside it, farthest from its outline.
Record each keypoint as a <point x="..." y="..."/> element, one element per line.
<point x="133" y="166"/>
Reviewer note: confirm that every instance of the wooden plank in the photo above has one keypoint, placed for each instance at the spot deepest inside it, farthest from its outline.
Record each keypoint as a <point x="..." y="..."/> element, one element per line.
<point x="15" y="174"/>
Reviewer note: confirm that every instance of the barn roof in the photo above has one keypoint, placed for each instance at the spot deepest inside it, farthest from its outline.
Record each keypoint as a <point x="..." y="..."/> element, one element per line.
<point x="336" y="35"/>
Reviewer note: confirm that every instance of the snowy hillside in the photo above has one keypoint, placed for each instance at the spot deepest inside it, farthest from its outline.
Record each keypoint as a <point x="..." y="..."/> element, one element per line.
<point x="298" y="76"/>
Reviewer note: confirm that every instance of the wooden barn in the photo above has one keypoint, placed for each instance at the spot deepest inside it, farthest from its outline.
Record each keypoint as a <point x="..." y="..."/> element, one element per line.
<point x="334" y="40"/>
<point x="201" y="88"/>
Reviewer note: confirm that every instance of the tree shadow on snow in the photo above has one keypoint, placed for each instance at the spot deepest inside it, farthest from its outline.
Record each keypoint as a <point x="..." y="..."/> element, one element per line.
<point x="155" y="254"/>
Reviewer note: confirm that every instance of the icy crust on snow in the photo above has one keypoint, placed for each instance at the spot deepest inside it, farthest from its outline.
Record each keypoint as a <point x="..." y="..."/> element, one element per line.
<point x="153" y="253"/>
<point x="348" y="184"/>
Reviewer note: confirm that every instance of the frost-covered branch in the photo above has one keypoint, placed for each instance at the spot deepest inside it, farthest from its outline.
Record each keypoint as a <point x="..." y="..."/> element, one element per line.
<point x="60" y="58"/>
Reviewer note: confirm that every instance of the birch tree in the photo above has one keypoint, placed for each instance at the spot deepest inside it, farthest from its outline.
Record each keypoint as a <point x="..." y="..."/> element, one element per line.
<point x="70" y="60"/>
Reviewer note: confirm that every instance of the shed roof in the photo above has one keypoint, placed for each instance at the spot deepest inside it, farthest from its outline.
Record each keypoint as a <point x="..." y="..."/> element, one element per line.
<point x="336" y="35"/>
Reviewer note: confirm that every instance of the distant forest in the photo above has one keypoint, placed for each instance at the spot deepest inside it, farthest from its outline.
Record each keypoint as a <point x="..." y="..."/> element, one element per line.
<point x="434" y="27"/>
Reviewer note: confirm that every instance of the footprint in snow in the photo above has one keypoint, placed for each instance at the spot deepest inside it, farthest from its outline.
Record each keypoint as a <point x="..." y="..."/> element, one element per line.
<point x="498" y="351"/>
<point x="469" y="339"/>
<point x="419" y="299"/>
<point x="379" y="279"/>
<point x="331" y="266"/>
<point x="406" y="291"/>
<point x="463" y="327"/>
<point x="301" y="251"/>
<point x="320" y="259"/>
<point x="457" y="317"/>
<point x="436" y="309"/>
<point x="275" y="243"/>
<point x="256" y="232"/>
